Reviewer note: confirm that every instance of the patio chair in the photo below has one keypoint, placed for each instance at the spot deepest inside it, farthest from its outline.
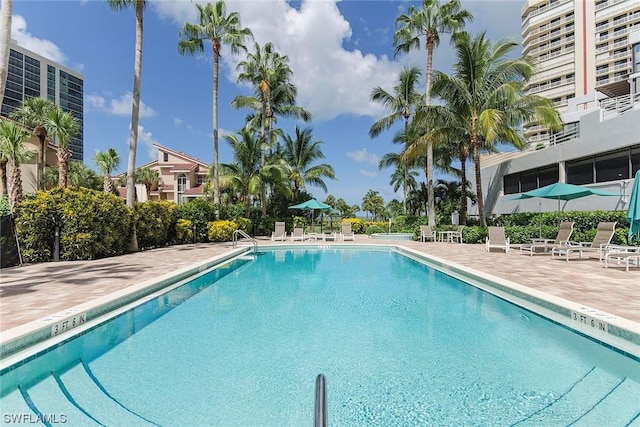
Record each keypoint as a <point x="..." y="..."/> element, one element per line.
<point x="427" y="233"/>
<point x="279" y="233"/>
<point x="546" y="245"/>
<point x="599" y="245"/>
<point x="297" y="234"/>
<point x="346" y="233"/>
<point x="456" y="236"/>
<point x="497" y="239"/>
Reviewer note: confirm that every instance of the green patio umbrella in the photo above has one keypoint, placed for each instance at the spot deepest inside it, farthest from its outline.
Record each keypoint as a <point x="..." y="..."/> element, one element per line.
<point x="561" y="191"/>
<point x="311" y="205"/>
<point x="633" y="214"/>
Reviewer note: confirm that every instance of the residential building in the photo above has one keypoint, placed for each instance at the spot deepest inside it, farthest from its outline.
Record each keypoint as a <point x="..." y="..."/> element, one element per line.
<point x="31" y="75"/>
<point x="588" y="56"/>
<point x="182" y="177"/>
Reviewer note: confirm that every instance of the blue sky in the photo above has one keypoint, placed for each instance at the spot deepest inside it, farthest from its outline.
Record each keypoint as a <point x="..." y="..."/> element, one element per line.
<point x="338" y="51"/>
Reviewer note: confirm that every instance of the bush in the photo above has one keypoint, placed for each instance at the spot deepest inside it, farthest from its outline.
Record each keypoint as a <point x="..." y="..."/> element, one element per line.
<point x="357" y="225"/>
<point x="91" y="224"/>
<point x="184" y="232"/>
<point x="221" y="231"/>
<point x="5" y="208"/>
<point x="200" y="212"/>
<point x="243" y="224"/>
<point x="156" y="223"/>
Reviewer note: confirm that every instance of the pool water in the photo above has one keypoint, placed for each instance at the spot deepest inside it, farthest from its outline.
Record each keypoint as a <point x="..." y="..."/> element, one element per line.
<point x="399" y="344"/>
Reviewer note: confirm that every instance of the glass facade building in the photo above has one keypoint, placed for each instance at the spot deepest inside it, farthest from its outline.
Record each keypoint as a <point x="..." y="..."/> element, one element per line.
<point x="33" y="76"/>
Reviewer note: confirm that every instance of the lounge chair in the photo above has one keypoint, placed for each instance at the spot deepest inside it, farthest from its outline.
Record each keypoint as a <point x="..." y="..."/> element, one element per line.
<point x="599" y="244"/>
<point x="456" y="236"/>
<point x="497" y="239"/>
<point x="622" y="255"/>
<point x="297" y="234"/>
<point x="546" y="245"/>
<point x="329" y="236"/>
<point x="427" y="233"/>
<point x="346" y="233"/>
<point x="279" y="233"/>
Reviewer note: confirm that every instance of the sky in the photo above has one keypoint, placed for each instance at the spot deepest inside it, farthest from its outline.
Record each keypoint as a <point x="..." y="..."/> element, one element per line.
<point x="339" y="51"/>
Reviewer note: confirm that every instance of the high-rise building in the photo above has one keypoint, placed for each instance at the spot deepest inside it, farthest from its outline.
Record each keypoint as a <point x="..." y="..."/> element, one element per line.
<point x="31" y="75"/>
<point x="581" y="48"/>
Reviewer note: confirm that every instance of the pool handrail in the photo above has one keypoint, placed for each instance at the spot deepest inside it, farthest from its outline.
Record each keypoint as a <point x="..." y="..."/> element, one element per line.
<point x="246" y="236"/>
<point x="320" y="412"/>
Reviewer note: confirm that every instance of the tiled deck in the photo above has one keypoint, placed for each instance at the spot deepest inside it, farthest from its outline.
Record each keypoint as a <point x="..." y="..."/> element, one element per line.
<point x="31" y="292"/>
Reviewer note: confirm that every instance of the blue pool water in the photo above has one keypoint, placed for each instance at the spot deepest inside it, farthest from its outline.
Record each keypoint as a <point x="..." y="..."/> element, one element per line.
<point x="399" y="343"/>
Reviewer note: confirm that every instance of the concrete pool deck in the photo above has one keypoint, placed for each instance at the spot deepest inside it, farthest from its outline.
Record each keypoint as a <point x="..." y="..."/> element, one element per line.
<point x="32" y="292"/>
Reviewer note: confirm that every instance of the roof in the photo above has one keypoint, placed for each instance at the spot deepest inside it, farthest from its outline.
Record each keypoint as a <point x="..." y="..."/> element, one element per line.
<point x="194" y="191"/>
<point x="183" y="155"/>
<point x="183" y="167"/>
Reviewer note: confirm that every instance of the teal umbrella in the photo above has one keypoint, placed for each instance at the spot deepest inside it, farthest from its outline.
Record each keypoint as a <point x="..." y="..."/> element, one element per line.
<point x="633" y="214"/>
<point x="311" y="205"/>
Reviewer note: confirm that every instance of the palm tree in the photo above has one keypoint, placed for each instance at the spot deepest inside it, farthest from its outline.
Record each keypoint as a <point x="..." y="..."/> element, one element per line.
<point x="300" y="156"/>
<point x="402" y="104"/>
<point x="246" y="174"/>
<point x="484" y="100"/>
<point x="63" y="127"/>
<point x="400" y="178"/>
<point x="107" y="161"/>
<point x="219" y="28"/>
<point x="139" y="6"/>
<point x="80" y="175"/>
<point x="147" y="176"/>
<point x="432" y="20"/>
<point x="13" y="138"/>
<point x="4" y="186"/>
<point x="6" y="7"/>
<point x="33" y="113"/>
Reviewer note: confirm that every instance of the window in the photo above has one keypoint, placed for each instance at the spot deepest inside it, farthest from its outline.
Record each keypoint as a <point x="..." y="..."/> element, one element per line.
<point x="165" y="157"/>
<point x="580" y="172"/>
<point x="528" y="180"/>
<point x="182" y="186"/>
<point x="612" y="166"/>
<point x="512" y="184"/>
<point x="548" y="176"/>
<point x="635" y="161"/>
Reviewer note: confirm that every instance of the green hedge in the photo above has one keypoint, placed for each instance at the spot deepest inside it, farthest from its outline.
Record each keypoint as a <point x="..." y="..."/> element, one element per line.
<point x="221" y="231"/>
<point x="91" y="225"/>
<point x="156" y="223"/>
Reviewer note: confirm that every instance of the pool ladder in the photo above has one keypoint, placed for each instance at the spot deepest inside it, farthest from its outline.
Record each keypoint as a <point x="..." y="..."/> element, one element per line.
<point x="320" y="413"/>
<point x="246" y="236"/>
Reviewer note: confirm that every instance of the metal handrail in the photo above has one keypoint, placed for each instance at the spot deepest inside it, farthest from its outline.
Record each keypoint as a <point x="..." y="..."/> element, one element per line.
<point x="245" y="235"/>
<point x="320" y="413"/>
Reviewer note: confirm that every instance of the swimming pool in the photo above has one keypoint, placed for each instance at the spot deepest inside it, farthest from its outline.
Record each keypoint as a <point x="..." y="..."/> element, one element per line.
<point x="399" y="343"/>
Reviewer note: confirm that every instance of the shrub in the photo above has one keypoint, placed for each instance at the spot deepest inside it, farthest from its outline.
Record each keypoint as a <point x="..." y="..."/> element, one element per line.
<point x="5" y="208"/>
<point x="156" y="223"/>
<point x="357" y="225"/>
<point x="199" y="212"/>
<point x="184" y="232"/>
<point x="243" y="224"/>
<point x="221" y="231"/>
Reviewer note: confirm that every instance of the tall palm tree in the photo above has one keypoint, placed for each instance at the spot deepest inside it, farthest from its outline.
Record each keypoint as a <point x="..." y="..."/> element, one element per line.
<point x="139" y="6"/>
<point x="402" y="104"/>
<point x="80" y="175"/>
<point x="431" y="21"/>
<point x="107" y="161"/>
<point x="13" y="138"/>
<point x="246" y="174"/>
<point x="484" y="100"/>
<point x="147" y="176"/>
<point x="33" y="113"/>
<point x="6" y="7"/>
<point x="62" y="126"/>
<point x="218" y="27"/>
<point x="300" y="155"/>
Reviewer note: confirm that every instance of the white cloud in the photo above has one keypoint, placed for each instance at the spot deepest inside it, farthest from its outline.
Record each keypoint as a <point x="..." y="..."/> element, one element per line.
<point x="368" y="173"/>
<point x="331" y="80"/>
<point x="118" y="107"/>
<point x="363" y="156"/>
<point x="42" y="47"/>
<point x="177" y="121"/>
<point x="147" y="140"/>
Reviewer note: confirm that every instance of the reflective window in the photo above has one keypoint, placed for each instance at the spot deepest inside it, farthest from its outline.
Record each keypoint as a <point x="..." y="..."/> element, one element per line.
<point x="612" y="166"/>
<point x="182" y="186"/>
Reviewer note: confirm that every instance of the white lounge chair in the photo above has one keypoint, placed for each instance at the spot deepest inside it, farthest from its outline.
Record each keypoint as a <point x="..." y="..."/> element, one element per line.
<point x="497" y="239"/>
<point x="346" y="233"/>
<point x="599" y="245"/>
<point x="297" y="234"/>
<point x="547" y="245"/>
<point x="426" y="233"/>
<point x="622" y="255"/>
<point x="329" y="236"/>
<point x="279" y="233"/>
<point x="456" y="236"/>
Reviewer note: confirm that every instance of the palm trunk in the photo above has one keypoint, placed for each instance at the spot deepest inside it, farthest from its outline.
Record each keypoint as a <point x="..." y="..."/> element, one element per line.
<point x="135" y="110"/>
<point x="5" y="41"/>
<point x="427" y="99"/>
<point x="476" y="165"/>
<point x="41" y="133"/>
<point x="107" y="184"/>
<point x="463" y="196"/>
<point x="63" y="166"/>
<point x="16" y="185"/>
<point x="4" y="187"/>
<point x="216" y="178"/>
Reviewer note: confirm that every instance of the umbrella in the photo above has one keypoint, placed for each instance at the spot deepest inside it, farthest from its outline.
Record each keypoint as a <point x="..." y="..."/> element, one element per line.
<point x="311" y="205"/>
<point x="561" y="191"/>
<point x="633" y="214"/>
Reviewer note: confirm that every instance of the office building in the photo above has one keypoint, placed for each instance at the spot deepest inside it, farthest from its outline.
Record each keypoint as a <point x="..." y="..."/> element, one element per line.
<point x="32" y="75"/>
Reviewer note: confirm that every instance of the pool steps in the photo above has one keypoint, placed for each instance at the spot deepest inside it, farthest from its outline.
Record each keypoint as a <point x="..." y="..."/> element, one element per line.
<point x="597" y="398"/>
